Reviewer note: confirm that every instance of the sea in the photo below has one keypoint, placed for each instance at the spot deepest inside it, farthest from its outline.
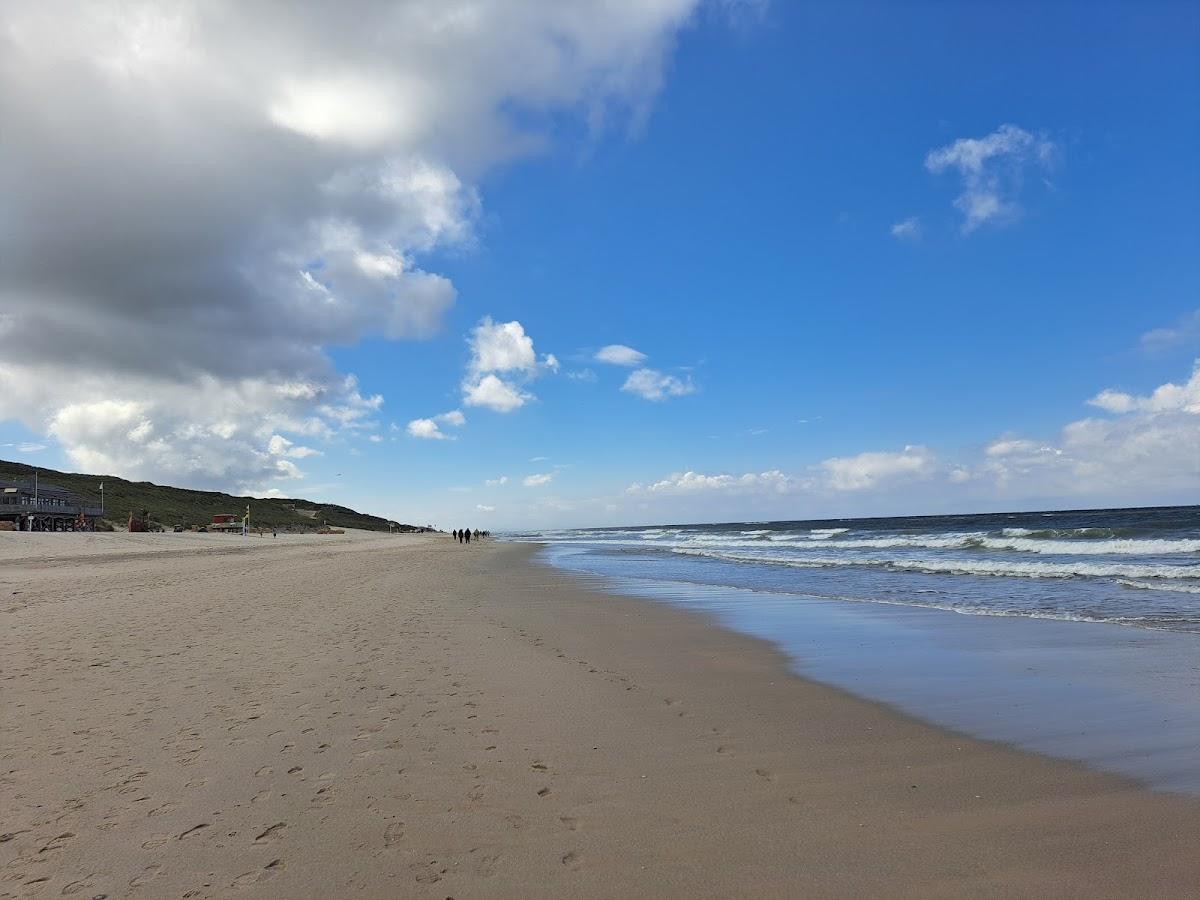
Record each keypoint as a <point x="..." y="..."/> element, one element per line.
<point x="1072" y="633"/>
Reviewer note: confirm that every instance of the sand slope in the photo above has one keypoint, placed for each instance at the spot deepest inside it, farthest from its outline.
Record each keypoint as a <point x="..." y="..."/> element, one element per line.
<point x="386" y="716"/>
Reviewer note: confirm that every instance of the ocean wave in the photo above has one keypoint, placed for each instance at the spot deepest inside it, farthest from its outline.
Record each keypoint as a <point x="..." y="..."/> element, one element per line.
<point x="977" y="541"/>
<point x="803" y="542"/>
<point x="1160" y="622"/>
<point x="1160" y="586"/>
<point x="1089" y="533"/>
<point x="1010" y="568"/>
<point x="1120" y="546"/>
<point x="824" y="534"/>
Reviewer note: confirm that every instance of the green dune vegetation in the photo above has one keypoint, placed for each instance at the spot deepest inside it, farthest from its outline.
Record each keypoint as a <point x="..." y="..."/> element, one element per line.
<point x="168" y="507"/>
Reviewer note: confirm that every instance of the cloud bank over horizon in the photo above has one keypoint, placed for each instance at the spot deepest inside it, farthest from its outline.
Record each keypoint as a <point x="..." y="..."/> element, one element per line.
<point x="1147" y="446"/>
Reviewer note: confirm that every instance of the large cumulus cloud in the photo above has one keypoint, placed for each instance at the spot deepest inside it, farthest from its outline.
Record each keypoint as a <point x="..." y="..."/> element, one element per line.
<point x="200" y="197"/>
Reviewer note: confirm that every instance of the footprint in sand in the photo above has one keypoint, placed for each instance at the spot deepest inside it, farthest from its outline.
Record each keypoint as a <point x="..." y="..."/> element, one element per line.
<point x="764" y="774"/>
<point x="76" y="886"/>
<point x="485" y="866"/>
<point x="393" y="835"/>
<point x="57" y="843"/>
<point x="270" y="833"/>
<point x="148" y="875"/>
<point x="571" y="860"/>
<point x="268" y="871"/>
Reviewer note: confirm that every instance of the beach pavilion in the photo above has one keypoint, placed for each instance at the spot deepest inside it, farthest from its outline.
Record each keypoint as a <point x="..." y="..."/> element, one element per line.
<point x="34" y="506"/>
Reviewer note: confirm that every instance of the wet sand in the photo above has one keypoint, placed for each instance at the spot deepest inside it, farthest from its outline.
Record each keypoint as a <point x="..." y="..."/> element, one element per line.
<point x="207" y="716"/>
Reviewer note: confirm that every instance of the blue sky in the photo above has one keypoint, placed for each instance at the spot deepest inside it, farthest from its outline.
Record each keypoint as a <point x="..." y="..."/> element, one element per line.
<point x="853" y="323"/>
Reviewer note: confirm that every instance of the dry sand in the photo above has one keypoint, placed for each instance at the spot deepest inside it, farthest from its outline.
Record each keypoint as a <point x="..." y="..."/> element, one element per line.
<point x="391" y="717"/>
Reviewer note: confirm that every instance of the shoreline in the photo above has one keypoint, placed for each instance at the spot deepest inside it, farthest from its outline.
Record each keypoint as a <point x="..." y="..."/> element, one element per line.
<point x="468" y="722"/>
<point x="1114" y="698"/>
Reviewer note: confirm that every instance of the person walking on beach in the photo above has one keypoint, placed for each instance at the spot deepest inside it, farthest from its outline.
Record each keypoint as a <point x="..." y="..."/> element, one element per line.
<point x="467" y="535"/>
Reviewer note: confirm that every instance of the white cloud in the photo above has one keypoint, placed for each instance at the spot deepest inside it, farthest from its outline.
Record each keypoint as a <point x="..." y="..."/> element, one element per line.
<point x="678" y="483"/>
<point x="502" y="347"/>
<point x="496" y="482"/>
<point x="908" y="230"/>
<point x="429" y="429"/>
<point x="1015" y="447"/>
<point x="485" y="508"/>
<point x="1185" y="332"/>
<point x="650" y="384"/>
<point x="1113" y="401"/>
<point x="992" y="169"/>
<point x="867" y="470"/>
<point x="278" y="445"/>
<point x="620" y="355"/>
<point x="585" y="375"/>
<point x="426" y="429"/>
<point x="1165" y="398"/>
<point x="207" y="433"/>
<point x="495" y="394"/>
<point x="319" y="155"/>
<point x="537" y="480"/>
<point x="26" y="447"/>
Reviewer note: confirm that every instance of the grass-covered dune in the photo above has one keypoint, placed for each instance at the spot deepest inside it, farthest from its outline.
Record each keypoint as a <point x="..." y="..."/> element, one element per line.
<point x="170" y="506"/>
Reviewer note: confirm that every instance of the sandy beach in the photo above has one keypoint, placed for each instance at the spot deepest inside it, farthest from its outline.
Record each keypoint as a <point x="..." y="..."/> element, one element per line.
<point x="389" y="716"/>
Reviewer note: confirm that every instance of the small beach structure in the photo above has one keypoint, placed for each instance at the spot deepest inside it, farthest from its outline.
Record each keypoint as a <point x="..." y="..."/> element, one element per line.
<point x="230" y="522"/>
<point x="41" y="506"/>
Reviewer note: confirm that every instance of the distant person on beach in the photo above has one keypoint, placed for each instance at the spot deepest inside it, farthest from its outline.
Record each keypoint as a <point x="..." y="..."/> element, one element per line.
<point x="467" y="535"/>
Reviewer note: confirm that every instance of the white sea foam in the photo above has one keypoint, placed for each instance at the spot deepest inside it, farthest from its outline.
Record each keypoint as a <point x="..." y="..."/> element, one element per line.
<point x="974" y="540"/>
<point x="1121" y="546"/>
<point x="824" y="534"/>
<point x="1012" y="568"/>
<point x="1175" y="587"/>
<point x="827" y="539"/>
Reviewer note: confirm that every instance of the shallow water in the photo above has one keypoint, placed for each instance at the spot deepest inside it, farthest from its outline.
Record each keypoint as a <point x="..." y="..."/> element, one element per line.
<point x="1077" y="666"/>
<point x="1130" y="567"/>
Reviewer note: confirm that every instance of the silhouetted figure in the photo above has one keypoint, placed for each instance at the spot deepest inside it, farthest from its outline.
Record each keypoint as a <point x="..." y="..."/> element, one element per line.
<point x="458" y="535"/>
<point x="468" y="535"/>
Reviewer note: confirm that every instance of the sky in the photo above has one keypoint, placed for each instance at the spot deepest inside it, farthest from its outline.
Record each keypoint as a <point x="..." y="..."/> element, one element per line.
<point x="516" y="264"/>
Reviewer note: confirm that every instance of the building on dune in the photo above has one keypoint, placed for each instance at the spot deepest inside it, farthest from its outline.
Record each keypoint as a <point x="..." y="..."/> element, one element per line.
<point x="34" y="506"/>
